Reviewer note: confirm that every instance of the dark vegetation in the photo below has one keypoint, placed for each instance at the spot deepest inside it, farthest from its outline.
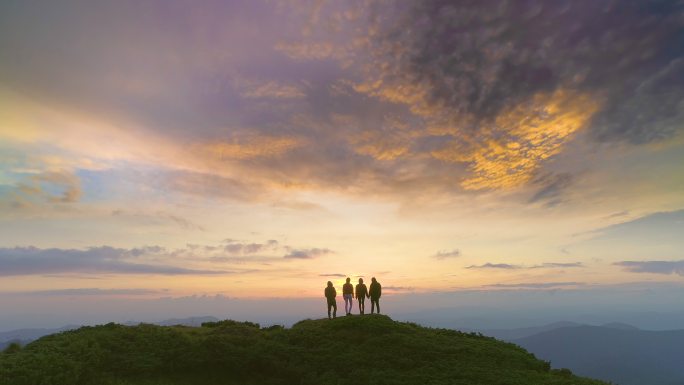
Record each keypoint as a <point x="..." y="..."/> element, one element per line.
<point x="347" y="350"/>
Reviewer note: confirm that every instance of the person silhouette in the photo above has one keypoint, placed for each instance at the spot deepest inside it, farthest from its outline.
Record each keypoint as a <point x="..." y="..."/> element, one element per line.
<point x="375" y="292"/>
<point x="348" y="294"/>
<point x="330" y="294"/>
<point x="361" y="294"/>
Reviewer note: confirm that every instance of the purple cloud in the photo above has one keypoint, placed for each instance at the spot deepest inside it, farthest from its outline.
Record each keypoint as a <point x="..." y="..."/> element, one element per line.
<point x="307" y="253"/>
<point x="655" y="267"/>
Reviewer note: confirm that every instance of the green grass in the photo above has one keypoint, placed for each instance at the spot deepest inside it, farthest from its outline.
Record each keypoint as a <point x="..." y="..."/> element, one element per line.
<point x="348" y="350"/>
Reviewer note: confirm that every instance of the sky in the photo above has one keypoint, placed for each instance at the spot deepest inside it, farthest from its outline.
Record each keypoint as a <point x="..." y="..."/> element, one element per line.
<point x="156" y="151"/>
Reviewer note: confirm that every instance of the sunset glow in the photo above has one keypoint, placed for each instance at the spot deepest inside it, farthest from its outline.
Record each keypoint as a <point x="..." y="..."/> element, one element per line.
<point x="258" y="149"/>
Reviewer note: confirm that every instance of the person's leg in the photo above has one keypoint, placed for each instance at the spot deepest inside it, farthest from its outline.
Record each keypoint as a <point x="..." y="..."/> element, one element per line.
<point x="375" y="304"/>
<point x="349" y="303"/>
<point x="329" y="307"/>
<point x="361" y="306"/>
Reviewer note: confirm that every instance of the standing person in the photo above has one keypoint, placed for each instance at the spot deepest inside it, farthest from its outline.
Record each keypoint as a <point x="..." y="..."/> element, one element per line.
<point x="330" y="294"/>
<point x="361" y="294"/>
<point x="375" y="292"/>
<point x="348" y="294"/>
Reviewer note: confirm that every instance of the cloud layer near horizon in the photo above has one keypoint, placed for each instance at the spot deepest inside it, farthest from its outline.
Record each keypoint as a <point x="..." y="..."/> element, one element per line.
<point x="655" y="267"/>
<point x="151" y="260"/>
<point x="95" y="260"/>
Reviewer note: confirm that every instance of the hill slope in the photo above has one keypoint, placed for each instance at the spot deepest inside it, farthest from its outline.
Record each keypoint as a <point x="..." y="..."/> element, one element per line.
<point x="623" y="355"/>
<point x="348" y="350"/>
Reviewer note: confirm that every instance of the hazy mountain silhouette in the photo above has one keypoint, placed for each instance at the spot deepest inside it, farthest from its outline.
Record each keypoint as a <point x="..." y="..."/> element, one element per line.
<point x="619" y="325"/>
<point x="518" y="333"/>
<point x="32" y="334"/>
<point x="618" y="353"/>
<point x="24" y="336"/>
<point x="369" y="349"/>
<point x="190" y="321"/>
<point x="513" y="334"/>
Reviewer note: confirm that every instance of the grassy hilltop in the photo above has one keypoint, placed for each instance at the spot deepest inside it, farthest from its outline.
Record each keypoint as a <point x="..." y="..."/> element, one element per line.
<point x="348" y="350"/>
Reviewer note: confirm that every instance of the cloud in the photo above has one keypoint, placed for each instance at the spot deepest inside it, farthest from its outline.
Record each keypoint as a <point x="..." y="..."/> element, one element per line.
<point x="489" y="265"/>
<point x="447" y="254"/>
<point x="399" y="289"/>
<point x="156" y="218"/>
<point x="510" y="101"/>
<point x="275" y="90"/>
<point x="298" y="205"/>
<point x="91" y="291"/>
<point x="581" y="46"/>
<point x="34" y="189"/>
<point x="209" y="185"/>
<point x="655" y="267"/>
<point x="335" y="275"/>
<point x="94" y="260"/>
<point x="234" y="247"/>
<point x="70" y="184"/>
<point x="558" y="265"/>
<point x="546" y="265"/>
<point x="307" y="253"/>
<point x="618" y="214"/>
<point x="249" y="147"/>
<point x="236" y="252"/>
<point x="660" y="228"/>
<point x="552" y="188"/>
<point x="309" y="51"/>
<point x="536" y="285"/>
<point x="392" y="98"/>
<point x="666" y="220"/>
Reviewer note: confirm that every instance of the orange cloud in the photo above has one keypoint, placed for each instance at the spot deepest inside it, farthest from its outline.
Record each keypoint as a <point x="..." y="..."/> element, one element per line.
<point x="524" y="137"/>
<point x="504" y="152"/>
<point x="274" y="90"/>
<point x="309" y="51"/>
<point x="249" y="147"/>
<point x="46" y="187"/>
<point x="379" y="145"/>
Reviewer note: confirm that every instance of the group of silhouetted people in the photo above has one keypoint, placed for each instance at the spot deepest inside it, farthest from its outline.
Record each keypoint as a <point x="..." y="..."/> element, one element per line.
<point x="361" y="292"/>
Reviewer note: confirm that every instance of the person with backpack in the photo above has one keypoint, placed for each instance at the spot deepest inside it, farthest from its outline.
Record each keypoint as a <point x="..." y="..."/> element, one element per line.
<point x="375" y="292"/>
<point x="361" y="294"/>
<point x="348" y="294"/>
<point x="330" y="294"/>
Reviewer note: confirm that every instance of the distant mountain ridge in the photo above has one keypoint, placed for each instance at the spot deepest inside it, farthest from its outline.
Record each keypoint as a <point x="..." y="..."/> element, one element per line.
<point x="24" y="336"/>
<point x="518" y="333"/>
<point x="614" y="352"/>
<point x="513" y="334"/>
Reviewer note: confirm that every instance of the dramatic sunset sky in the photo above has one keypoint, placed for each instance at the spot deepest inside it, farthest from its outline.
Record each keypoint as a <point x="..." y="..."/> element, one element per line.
<point x="256" y="149"/>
